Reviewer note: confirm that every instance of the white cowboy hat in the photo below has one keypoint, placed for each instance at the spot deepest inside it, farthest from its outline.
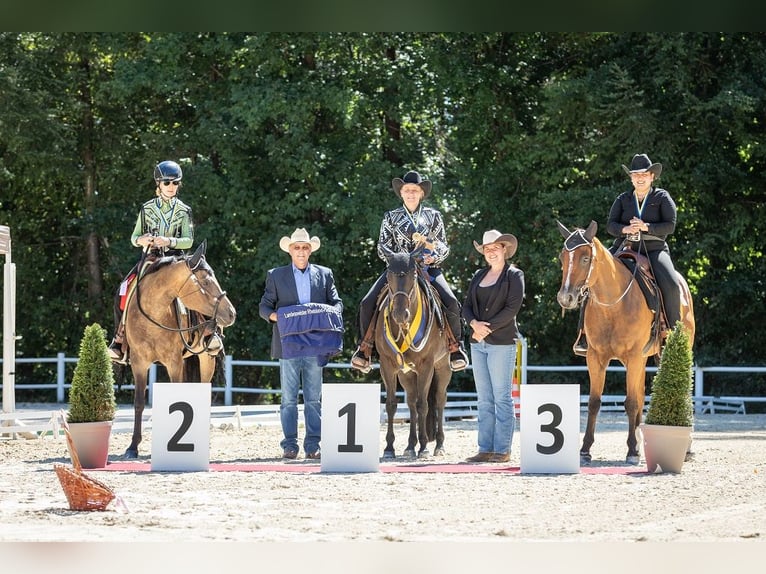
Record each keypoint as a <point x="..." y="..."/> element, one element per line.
<point x="494" y="236"/>
<point x="300" y="235"/>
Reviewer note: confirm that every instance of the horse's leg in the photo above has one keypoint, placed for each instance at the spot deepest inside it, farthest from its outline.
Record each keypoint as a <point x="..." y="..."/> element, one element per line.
<point x="411" y="395"/>
<point x="140" y="376"/>
<point x="597" y="375"/>
<point x="438" y="400"/>
<point x="389" y="452"/>
<point x="423" y="391"/>
<point x="635" y="378"/>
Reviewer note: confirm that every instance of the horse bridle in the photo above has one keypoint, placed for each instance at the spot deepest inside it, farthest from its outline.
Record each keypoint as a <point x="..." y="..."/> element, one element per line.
<point x="572" y="243"/>
<point x="211" y="322"/>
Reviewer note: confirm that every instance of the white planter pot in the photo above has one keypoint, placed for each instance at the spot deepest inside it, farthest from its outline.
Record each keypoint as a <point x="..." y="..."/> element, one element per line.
<point x="665" y="446"/>
<point x="92" y="442"/>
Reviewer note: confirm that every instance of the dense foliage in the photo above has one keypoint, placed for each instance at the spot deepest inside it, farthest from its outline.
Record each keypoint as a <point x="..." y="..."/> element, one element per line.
<point x="282" y="130"/>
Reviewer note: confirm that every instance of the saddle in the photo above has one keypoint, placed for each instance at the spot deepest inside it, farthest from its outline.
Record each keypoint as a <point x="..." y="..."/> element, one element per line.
<point x="638" y="265"/>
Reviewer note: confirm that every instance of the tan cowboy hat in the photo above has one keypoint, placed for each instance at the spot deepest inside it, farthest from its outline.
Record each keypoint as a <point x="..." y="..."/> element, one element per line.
<point x="300" y="235"/>
<point x="641" y="163"/>
<point x="494" y="236"/>
<point x="411" y="177"/>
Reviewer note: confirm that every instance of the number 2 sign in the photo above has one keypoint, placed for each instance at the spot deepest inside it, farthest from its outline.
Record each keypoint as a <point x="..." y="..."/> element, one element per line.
<point x="181" y="426"/>
<point x="550" y="429"/>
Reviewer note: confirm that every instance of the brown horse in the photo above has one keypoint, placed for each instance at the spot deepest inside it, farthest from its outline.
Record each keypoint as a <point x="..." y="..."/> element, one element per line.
<point x="413" y="351"/>
<point x="617" y="324"/>
<point x="158" y="330"/>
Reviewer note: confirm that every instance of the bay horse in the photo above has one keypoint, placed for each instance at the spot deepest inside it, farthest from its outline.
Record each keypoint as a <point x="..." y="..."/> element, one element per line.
<point x="159" y="330"/>
<point x="413" y="350"/>
<point x="617" y="325"/>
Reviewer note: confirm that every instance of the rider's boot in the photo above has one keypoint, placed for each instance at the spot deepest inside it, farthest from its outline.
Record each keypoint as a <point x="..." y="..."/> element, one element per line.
<point x="116" y="353"/>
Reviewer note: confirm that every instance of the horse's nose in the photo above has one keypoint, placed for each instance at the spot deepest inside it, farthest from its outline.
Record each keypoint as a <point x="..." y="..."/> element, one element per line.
<point x="566" y="299"/>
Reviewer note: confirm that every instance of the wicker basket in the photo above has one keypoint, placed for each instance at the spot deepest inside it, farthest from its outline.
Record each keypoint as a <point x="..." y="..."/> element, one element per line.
<point x="82" y="491"/>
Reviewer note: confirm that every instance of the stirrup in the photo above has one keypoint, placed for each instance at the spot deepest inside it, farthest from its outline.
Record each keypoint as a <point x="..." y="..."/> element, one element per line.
<point x="360" y="362"/>
<point x="116" y="355"/>
<point x="214" y="345"/>
<point x="458" y="360"/>
<point x="580" y="347"/>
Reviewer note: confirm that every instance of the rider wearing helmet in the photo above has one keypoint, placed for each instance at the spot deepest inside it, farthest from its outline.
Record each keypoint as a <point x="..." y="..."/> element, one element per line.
<point x="164" y="227"/>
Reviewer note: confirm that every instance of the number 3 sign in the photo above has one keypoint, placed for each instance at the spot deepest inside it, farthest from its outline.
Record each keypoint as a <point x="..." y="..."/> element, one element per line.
<point x="550" y="429"/>
<point x="181" y="426"/>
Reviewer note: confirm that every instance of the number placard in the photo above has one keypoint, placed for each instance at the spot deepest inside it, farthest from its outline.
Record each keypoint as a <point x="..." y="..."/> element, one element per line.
<point x="550" y="429"/>
<point x="181" y="426"/>
<point x="350" y="427"/>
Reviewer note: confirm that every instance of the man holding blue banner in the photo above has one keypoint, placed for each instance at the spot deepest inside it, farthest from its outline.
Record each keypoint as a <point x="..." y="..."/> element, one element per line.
<point x="302" y="304"/>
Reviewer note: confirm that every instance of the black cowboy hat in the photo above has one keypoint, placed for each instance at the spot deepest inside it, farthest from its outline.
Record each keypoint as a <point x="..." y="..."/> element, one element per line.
<point x="411" y="177"/>
<point x="641" y="163"/>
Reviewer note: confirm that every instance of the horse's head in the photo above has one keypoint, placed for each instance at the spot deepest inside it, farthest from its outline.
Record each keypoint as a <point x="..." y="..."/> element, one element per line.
<point x="202" y="292"/>
<point x="576" y="258"/>
<point x="401" y="276"/>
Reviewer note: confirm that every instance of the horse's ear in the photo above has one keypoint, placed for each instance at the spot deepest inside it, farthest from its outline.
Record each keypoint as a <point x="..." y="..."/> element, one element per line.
<point x="387" y="253"/>
<point x="590" y="233"/>
<point x="564" y="231"/>
<point x="198" y="254"/>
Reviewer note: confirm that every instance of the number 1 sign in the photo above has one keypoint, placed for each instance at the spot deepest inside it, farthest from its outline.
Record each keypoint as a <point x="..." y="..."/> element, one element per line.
<point x="350" y="427"/>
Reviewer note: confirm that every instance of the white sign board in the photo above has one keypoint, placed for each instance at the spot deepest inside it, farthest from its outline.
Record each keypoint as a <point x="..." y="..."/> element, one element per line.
<point x="350" y="427"/>
<point x="181" y="426"/>
<point x="550" y="429"/>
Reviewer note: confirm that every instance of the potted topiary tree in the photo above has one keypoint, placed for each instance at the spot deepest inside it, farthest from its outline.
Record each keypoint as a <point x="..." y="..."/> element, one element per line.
<point x="669" y="419"/>
<point x="91" y="399"/>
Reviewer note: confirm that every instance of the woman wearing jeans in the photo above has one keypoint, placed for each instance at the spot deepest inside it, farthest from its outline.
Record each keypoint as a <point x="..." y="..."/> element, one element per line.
<point x="491" y="304"/>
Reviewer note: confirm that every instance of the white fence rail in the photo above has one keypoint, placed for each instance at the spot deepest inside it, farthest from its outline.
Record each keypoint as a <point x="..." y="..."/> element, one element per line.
<point x="703" y="402"/>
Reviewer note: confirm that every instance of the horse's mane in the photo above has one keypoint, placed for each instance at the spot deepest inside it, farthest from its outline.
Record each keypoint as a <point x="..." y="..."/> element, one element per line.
<point x="168" y="259"/>
<point x="399" y="263"/>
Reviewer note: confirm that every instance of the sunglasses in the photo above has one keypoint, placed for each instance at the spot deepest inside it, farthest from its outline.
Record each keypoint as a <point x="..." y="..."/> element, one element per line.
<point x="169" y="183"/>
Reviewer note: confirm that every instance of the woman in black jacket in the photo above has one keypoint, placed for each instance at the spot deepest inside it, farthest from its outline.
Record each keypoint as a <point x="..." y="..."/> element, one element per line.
<point x="491" y="304"/>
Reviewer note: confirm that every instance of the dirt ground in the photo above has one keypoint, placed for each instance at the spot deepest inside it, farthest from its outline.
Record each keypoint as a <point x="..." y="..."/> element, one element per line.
<point x="719" y="497"/>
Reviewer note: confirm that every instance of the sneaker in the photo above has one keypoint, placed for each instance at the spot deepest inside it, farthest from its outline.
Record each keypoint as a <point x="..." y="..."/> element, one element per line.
<point x="360" y="362"/>
<point x="214" y="345"/>
<point x="116" y="355"/>
<point x="458" y="360"/>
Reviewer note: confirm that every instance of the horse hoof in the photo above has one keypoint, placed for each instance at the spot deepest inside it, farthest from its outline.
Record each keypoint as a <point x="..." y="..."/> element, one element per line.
<point x="689" y="456"/>
<point x="425" y="453"/>
<point x="439" y="451"/>
<point x="585" y="458"/>
<point x="131" y="453"/>
<point x="409" y="453"/>
<point x="388" y="455"/>
<point x="633" y="459"/>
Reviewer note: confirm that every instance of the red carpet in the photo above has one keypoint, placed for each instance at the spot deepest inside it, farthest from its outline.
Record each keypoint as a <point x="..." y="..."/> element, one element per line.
<point x="315" y="468"/>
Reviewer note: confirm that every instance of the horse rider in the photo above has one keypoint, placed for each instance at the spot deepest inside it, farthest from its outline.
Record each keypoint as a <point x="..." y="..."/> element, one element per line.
<point x="399" y="233"/>
<point x="641" y="219"/>
<point x="164" y="226"/>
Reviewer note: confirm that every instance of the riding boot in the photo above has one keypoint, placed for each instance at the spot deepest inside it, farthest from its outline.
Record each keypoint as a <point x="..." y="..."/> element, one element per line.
<point x="458" y="358"/>
<point x="580" y="346"/>
<point x="116" y="349"/>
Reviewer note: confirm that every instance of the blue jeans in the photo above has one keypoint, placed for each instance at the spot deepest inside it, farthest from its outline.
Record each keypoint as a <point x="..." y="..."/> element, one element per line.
<point x="291" y="373"/>
<point x="493" y="372"/>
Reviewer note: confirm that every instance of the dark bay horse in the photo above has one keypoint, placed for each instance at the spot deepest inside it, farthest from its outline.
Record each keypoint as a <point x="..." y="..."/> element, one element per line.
<point x="617" y="324"/>
<point x="413" y="352"/>
<point x="158" y="332"/>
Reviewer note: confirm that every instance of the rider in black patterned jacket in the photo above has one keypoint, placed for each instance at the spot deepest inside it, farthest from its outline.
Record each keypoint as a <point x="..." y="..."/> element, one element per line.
<point x="396" y="234"/>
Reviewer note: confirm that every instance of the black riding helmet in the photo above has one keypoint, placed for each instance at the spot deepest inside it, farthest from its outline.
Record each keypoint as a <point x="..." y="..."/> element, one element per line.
<point x="167" y="171"/>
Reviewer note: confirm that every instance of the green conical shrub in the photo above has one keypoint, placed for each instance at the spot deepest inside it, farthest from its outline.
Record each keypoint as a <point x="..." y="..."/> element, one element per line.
<point x="671" y="399"/>
<point x="91" y="396"/>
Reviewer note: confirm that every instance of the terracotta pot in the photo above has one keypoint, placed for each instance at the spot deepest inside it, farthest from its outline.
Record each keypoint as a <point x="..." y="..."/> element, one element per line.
<point x="665" y="446"/>
<point x="92" y="442"/>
